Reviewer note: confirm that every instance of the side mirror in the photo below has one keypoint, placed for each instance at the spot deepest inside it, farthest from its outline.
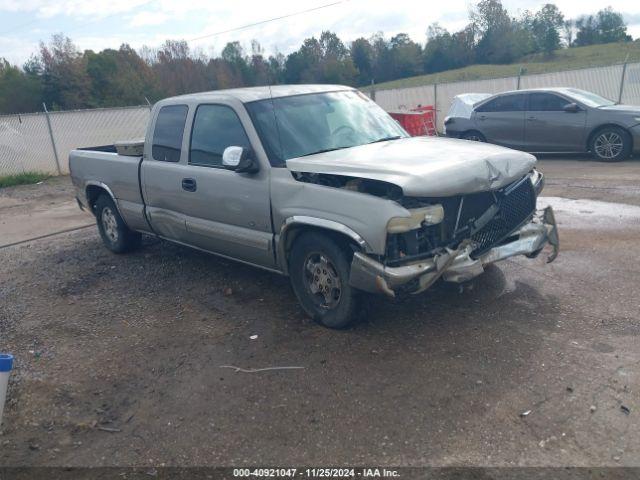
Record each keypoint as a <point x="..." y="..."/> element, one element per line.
<point x="239" y="160"/>
<point x="571" y="108"/>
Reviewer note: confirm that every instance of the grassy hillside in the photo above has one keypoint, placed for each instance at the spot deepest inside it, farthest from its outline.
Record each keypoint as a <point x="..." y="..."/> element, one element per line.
<point x="566" y="59"/>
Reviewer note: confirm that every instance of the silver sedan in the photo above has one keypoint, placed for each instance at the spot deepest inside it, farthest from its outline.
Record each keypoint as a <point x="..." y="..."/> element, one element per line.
<point x="552" y="120"/>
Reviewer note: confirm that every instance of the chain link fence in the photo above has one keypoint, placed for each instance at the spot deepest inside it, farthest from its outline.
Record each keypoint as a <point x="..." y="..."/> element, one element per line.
<point x="41" y="142"/>
<point x="616" y="82"/>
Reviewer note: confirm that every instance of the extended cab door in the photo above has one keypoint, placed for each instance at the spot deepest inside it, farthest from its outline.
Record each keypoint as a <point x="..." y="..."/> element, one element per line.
<point x="191" y="199"/>
<point x="549" y="128"/>
<point x="161" y="173"/>
<point x="501" y="120"/>
<point x="227" y="212"/>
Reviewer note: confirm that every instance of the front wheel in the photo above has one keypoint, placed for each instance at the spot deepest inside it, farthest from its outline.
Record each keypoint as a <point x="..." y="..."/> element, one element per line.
<point x="319" y="270"/>
<point x="611" y="144"/>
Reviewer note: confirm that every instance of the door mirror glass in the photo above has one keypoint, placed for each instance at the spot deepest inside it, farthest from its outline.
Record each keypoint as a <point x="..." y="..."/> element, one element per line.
<point x="231" y="157"/>
<point x="239" y="159"/>
<point x="571" y="108"/>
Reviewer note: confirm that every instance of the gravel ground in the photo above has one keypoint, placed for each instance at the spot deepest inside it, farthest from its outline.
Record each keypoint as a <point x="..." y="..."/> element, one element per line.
<point x="122" y="360"/>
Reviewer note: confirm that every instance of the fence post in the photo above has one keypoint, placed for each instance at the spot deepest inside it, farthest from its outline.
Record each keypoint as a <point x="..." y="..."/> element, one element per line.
<point x="624" y="72"/>
<point x="518" y="81"/>
<point x="53" y="142"/>
<point x="435" y="106"/>
<point x="373" y="90"/>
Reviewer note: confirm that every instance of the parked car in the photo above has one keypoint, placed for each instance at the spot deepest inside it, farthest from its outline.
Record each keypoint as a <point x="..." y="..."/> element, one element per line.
<point x="552" y="120"/>
<point x="318" y="183"/>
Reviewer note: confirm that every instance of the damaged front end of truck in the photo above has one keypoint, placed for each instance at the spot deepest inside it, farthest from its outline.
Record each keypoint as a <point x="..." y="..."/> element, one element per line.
<point x="455" y="238"/>
<point x="469" y="207"/>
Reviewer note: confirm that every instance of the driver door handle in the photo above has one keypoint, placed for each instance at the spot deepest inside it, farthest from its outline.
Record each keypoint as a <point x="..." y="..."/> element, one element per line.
<point x="189" y="184"/>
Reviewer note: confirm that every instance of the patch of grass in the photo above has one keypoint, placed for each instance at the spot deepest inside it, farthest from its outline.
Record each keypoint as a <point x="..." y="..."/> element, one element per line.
<point x="25" y="178"/>
<point x="565" y="59"/>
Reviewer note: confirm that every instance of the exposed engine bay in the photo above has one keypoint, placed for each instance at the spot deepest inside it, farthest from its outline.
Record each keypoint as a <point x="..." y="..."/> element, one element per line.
<point x="439" y="223"/>
<point x="363" y="185"/>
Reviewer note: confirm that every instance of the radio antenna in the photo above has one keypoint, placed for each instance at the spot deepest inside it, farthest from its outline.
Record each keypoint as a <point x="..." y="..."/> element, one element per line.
<point x="275" y="119"/>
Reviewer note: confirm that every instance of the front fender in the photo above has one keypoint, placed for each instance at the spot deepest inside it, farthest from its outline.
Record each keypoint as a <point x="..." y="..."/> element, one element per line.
<point x="359" y="216"/>
<point x="300" y="220"/>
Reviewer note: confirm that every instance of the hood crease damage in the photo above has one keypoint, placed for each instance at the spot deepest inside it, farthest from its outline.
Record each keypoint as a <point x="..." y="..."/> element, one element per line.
<point x="417" y="166"/>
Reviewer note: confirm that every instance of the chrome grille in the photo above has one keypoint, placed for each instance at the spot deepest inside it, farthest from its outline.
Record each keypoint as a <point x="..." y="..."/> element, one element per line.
<point x="517" y="203"/>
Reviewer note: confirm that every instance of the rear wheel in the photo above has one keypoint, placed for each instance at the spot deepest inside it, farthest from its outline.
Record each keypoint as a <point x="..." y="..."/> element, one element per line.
<point x="319" y="269"/>
<point x="611" y="144"/>
<point x="473" y="136"/>
<point x="115" y="234"/>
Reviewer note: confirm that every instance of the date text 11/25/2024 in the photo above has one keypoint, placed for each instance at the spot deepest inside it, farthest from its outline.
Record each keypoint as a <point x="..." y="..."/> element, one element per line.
<point x="316" y="472"/>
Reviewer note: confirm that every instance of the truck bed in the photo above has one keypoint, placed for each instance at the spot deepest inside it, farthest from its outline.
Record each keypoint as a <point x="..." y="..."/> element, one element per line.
<point x="120" y="174"/>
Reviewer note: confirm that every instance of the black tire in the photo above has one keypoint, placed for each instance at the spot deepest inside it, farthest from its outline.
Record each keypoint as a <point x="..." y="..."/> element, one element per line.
<point x="343" y="307"/>
<point x="115" y="234"/>
<point x="473" y="136"/>
<point x="610" y="144"/>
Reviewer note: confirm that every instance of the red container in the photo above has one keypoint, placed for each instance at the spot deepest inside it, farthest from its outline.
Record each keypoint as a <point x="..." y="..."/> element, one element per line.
<point x="417" y="122"/>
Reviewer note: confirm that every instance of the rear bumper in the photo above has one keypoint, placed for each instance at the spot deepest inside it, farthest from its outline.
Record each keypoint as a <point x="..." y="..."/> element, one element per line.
<point x="457" y="265"/>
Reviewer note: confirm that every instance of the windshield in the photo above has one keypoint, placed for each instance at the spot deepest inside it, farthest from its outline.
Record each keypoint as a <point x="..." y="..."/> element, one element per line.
<point x="302" y="125"/>
<point x="588" y="98"/>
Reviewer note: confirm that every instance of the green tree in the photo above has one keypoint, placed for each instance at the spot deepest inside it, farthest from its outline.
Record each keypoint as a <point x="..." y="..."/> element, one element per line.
<point x="20" y="92"/>
<point x="605" y="27"/>
<point x="611" y="26"/>
<point x="120" y="77"/>
<point x="66" y="84"/>
<point x="382" y="58"/>
<point x="497" y="33"/>
<point x="320" y="61"/>
<point x="179" y="72"/>
<point x="362" y="58"/>
<point x="568" y="32"/>
<point x="587" y="31"/>
<point x="546" y="25"/>
<point x="277" y="68"/>
<point x="406" y="55"/>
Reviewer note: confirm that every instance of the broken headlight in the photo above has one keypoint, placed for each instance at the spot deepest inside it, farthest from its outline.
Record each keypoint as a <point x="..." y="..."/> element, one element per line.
<point x="430" y="215"/>
<point x="537" y="180"/>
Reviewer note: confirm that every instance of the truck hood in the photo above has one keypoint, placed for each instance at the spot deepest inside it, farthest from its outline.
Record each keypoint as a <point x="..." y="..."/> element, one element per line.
<point x="424" y="166"/>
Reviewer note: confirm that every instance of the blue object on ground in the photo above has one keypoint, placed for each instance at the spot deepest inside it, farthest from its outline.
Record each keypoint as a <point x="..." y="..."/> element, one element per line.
<point x="6" y="362"/>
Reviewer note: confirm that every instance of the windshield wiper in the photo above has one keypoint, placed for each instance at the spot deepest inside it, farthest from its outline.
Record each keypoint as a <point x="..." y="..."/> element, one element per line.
<point x="351" y="146"/>
<point x="323" y="151"/>
<point x="385" y="139"/>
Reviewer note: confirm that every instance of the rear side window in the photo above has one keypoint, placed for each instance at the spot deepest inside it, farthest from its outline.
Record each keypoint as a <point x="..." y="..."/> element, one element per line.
<point x="505" y="103"/>
<point x="167" y="136"/>
<point x="546" y="102"/>
<point x="215" y="127"/>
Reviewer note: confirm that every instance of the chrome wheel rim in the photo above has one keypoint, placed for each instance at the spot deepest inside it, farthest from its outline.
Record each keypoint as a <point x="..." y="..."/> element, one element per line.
<point x="473" y="138"/>
<point x="322" y="280"/>
<point x="109" y="224"/>
<point x="608" y="145"/>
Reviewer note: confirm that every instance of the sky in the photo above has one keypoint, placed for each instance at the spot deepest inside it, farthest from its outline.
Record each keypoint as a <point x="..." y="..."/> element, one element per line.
<point x="99" y="24"/>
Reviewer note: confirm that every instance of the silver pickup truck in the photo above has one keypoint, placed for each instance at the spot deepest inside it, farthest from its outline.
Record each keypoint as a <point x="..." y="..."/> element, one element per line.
<point x="318" y="183"/>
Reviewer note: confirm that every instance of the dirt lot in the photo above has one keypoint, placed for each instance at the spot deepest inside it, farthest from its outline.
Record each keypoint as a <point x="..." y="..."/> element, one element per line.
<point x="121" y="359"/>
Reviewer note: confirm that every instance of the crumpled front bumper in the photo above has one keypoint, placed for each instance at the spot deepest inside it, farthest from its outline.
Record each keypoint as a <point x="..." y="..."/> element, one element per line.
<point x="457" y="265"/>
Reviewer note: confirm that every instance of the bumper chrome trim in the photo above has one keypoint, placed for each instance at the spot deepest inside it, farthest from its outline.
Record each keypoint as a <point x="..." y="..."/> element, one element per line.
<point x="457" y="266"/>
